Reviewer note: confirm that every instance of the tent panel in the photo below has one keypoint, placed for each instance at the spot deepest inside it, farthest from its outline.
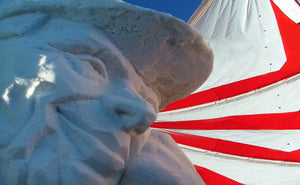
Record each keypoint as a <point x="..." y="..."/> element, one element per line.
<point x="227" y="25"/>
<point x="246" y="170"/>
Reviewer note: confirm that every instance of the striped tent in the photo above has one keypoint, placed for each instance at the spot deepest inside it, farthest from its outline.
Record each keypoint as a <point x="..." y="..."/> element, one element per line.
<point x="242" y="125"/>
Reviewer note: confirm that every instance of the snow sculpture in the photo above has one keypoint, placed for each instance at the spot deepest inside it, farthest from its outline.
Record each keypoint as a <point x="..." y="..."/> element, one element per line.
<point x="81" y="82"/>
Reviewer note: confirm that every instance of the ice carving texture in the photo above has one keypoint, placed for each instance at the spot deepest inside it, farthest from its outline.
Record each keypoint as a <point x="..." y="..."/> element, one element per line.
<point x="81" y="82"/>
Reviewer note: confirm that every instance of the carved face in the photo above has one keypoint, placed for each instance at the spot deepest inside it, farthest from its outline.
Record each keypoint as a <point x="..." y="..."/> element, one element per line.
<point x="71" y="104"/>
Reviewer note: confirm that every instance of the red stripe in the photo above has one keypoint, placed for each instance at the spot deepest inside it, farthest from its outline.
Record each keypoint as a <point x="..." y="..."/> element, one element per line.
<point x="213" y="178"/>
<point x="280" y="121"/>
<point x="234" y="148"/>
<point x="291" y="67"/>
<point x="290" y="32"/>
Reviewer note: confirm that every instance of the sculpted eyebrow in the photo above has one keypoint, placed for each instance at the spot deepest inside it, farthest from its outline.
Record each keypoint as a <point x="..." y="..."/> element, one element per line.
<point x="91" y="49"/>
<point x="21" y="24"/>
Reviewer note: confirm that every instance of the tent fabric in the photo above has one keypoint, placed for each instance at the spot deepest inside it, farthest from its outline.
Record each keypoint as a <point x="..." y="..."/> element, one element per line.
<point x="276" y="121"/>
<point x="242" y="125"/>
<point x="290" y="37"/>
<point x="227" y="25"/>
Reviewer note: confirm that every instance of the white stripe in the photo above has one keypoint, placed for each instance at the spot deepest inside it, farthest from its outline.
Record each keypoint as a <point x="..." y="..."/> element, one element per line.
<point x="245" y="39"/>
<point x="284" y="140"/>
<point x="290" y="8"/>
<point x="246" y="170"/>
<point x="280" y="97"/>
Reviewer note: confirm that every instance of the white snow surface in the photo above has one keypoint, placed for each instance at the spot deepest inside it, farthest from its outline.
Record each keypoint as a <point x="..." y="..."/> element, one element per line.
<point x="78" y="92"/>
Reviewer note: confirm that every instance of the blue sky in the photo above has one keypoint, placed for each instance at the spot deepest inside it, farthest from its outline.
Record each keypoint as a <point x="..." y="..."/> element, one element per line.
<point x="182" y="9"/>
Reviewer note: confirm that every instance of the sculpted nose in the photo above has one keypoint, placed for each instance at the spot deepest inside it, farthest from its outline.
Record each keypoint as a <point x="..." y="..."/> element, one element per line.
<point x="134" y="114"/>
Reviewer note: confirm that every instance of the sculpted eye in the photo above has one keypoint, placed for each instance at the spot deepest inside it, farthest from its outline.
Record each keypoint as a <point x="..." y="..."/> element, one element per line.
<point x="83" y="52"/>
<point x="115" y="68"/>
<point x="95" y="63"/>
<point x="99" y="67"/>
<point x="20" y="24"/>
